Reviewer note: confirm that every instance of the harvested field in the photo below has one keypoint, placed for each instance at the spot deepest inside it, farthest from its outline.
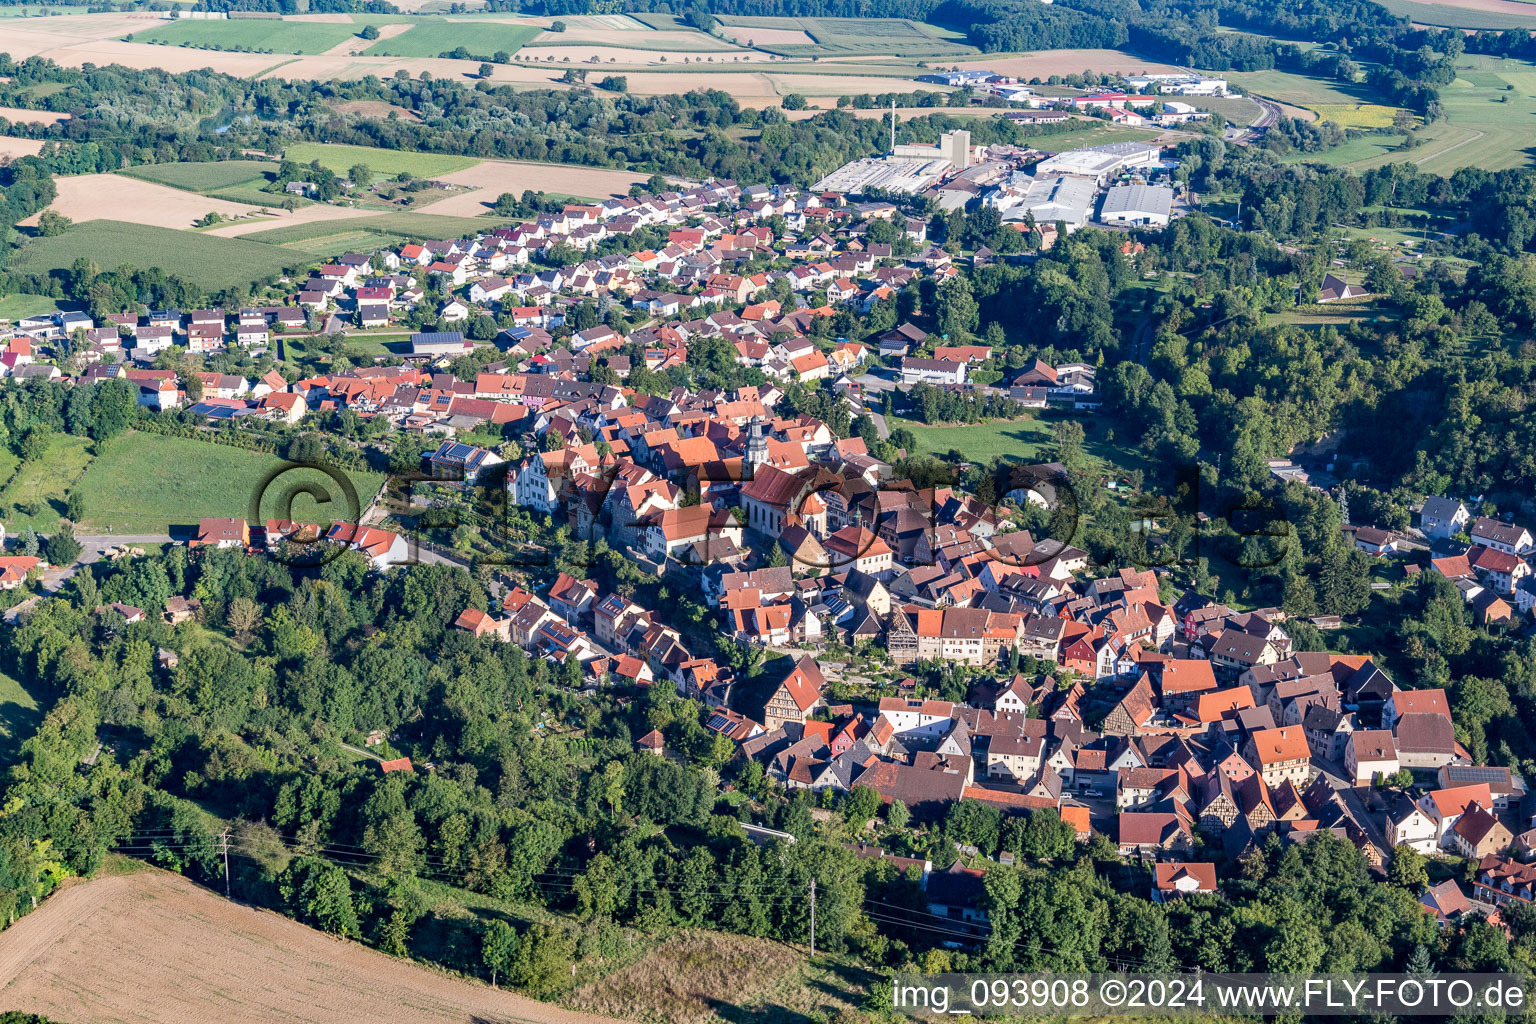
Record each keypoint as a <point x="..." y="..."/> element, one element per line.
<point x="753" y="35"/>
<point x="1043" y="65"/>
<point x="85" y="197"/>
<point x="19" y="115"/>
<point x="11" y="148"/>
<point x="493" y="177"/>
<point x="357" y="44"/>
<point x="213" y="959"/>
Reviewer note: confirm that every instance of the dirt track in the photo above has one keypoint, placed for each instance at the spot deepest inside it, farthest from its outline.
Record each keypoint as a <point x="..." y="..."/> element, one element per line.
<point x="152" y="946"/>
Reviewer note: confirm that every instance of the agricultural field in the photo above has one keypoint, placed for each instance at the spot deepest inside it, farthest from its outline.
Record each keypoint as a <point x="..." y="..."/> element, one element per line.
<point x="1490" y="113"/>
<point x="20" y="715"/>
<point x="340" y="159"/>
<point x="392" y="225"/>
<point x="1045" y="63"/>
<point x="1468" y="14"/>
<point x="67" y="961"/>
<point x="432" y="38"/>
<point x="34" y="494"/>
<point x="204" y="176"/>
<point x="213" y="262"/>
<point x="261" y="34"/>
<point x="1300" y="90"/>
<point x="490" y="178"/>
<point x="24" y="115"/>
<point x="1357" y="115"/>
<point x="84" y="197"/>
<point x="142" y="485"/>
<point x="846" y="37"/>
<point x="11" y="148"/>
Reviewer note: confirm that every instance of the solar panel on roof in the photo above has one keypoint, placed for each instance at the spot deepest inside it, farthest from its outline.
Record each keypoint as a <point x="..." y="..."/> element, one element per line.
<point x="1475" y="773"/>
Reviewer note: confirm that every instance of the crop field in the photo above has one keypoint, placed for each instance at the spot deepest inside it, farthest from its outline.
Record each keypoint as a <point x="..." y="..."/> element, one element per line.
<point x="36" y="490"/>
<point x="399" y="225"/>
<point x="205" y="176"/>
<point x="1470" y="14"/>
<point x="429" y="39"/>
<point x="142" y="484"/>
<point x="340" y="159"/>
<point x="1357" y="115"/>
<point x="212" y="959"/>
<point x="285" y="36"/>
<point x="212" y="262"/>
<point x="833" y="37"/>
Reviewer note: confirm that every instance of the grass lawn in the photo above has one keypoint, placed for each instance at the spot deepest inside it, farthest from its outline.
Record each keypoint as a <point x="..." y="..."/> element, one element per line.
<point x="14" y="307"/>
<point x="205" y="176"/>
<point x="252" y="34"/>
<point x="20" y="715"/>
<point x="1490" y="114"/>
<point x="1024" y="440"/>
<point x="147" y="483"/>
<point x="340" y="159"/>
<point x="210" y="261"/>
<point x="47" y="482"/>
<point x="433" y="38"/>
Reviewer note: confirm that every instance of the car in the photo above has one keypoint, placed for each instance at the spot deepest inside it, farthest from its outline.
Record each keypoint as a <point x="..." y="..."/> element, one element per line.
<point x="1093" y="792"/>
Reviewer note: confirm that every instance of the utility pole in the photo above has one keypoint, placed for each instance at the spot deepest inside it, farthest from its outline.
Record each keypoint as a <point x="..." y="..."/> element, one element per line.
<point x="224" y="843"/>
<point x="813" y="917"/>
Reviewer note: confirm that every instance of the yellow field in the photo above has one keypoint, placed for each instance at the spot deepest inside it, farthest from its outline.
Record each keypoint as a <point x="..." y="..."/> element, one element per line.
<point x="1356" y="115"/>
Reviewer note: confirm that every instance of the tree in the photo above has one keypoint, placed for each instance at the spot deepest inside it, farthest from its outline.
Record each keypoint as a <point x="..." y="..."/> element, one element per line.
<point x="485" y="71"/>
<point x="62" y="548"/>
<point x="369" y="32"/>
<point x="861" y="805"/>
<point x="897" y="815"/>
<point x="74" y="506"/>
<point x="498" y="946"/>
<point x="242" y="617"/>
<point x="794" y="101"/>
<point x="360" y="176"/>
<point x="1407" y="870"/>
<point x="51" y="222"/>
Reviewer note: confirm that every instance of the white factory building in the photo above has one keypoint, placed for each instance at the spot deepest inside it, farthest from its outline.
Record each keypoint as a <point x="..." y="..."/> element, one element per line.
<point x="1137" y="204"/>
<point x="1179" y="84"/>
<point x="1051" y="199"/>
<point x="1101" y="163"/>
<point x="909" y="168"/>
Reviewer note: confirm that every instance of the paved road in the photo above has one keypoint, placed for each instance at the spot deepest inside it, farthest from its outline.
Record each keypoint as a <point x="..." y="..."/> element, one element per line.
<point x="878" y="419"/>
